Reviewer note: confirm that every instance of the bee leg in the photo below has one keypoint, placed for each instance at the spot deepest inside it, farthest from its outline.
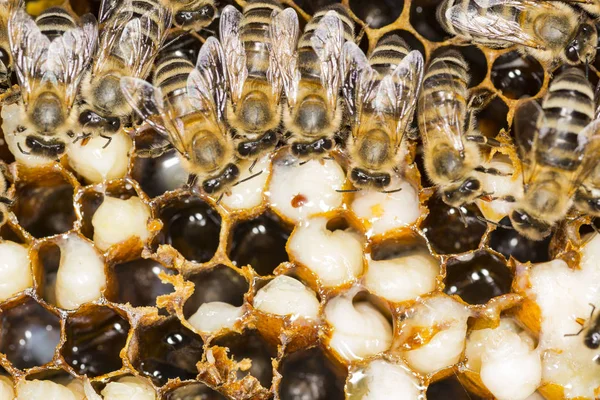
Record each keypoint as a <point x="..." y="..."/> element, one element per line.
<point x="304" y="162"/>
<point x="391" y="191"/>
<point x="492" y="171"/>
<point x="575" y="334"/>
<point x="248" y="178"/>
<point x="253" y="164"/>
<point x="82" y="137"/>
<point x="191" y="182"/>
<point x="6" y="200"/>
<point x="220" y="198"/>
<point x="347" y="190"/>
<point x="483" y="140"/>
<point x="108" y="140"/>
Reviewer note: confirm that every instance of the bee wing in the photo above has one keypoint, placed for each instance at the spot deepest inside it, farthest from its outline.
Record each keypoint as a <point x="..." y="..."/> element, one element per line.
<point x="108" y="9"/>
<point x="441" y="114"/>
<point x="207" y="83"/>
<point x="147" y="101"/>
<point x="327" y="42"/>
<point x="69" y="55"/>
<point x="358" y="79"/>
<point x="589" y="139"/>
<point x="29" y="47"/>
<point x="528" y="119"/>
<point x="283" y="58"/>
<point x="137" y="49"/>
<point x="524" y="3"/>
<point x="398" y="92"/>
<point x="235" y="54"/>
<point x="491" y="25"/>
<point x="109" y="39"/>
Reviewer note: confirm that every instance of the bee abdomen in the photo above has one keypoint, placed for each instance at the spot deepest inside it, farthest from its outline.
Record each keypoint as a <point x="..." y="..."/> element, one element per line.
<point x="388" y="53"/>
<point x="255" y="34"/>
<point x="171" y="75"/>
<point x="55" y="21"/>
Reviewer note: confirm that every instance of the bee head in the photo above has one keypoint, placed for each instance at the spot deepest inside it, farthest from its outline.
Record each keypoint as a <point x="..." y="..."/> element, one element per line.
<point x="529" y="226"/>
<point x="363" y="178"/>
<point x="52" y="148"/>
<point x="218" y="183"/>
<point x="463" y="192"/>
<point x="582" y="49"/>
<point x="586" y="202"/>
<point x="304" y="150"/>
<point x="196" y="19"/>
<point x="90" y="119"/>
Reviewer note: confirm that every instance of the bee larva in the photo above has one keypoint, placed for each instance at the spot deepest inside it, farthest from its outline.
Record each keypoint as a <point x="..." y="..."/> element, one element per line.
<point x="550" y="31"/>
<point x="186" y="105"/>
<point x="193" y="15"/>
<point x="312" y="78"/>
<point x="381" y="95"/>
<point x="254" y="109"/>
<point x="558" y="148"/>
<point x="451" y="145"/>
<point x="50" y="56"/>
<point x="7" y="7"/>
<point x="132" y="33"/>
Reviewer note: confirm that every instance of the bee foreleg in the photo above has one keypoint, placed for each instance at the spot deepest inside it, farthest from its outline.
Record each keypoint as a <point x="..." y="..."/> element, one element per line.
<point x="483" y="140"/>
<point x="252" y="165"/>
<point x="192" y="178"/>
<point x="492" y="171"/>
<point x="108" y="140"/>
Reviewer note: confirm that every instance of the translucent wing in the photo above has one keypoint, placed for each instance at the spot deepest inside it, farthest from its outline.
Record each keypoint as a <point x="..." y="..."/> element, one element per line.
<point x="589" y="148"/>
<point x="398" y="92"/>
<point x="528" y="119"/>
<point x="490" y="25"/>
<point x="358" y="79"/>
<point x="69" y="55"/>
<point x="147" y="101"/>
<point x="440" y="111"/>
<point x="108" y="9"/>
<point x="523" y="3"/>
<point x="109" y="38"/>
<point x="283" y="60"/>
<point x="327" y="41"/>
<point x="234" y="50"/>
<point x="29" y="48"/>
<point x="207" y="83"/>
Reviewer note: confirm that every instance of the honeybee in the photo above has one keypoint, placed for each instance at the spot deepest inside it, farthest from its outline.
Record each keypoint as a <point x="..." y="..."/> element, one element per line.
<point x="132" y="34"/>
<point x="254" y="109"/>
<point x="50" y="56"/>
<point x="558" y="147"/>
<point x="312" y="77"/>
<point x="7" y="7"/>
<point x="451" y="144"/>
<point x="550" y="31"/>
<point x="187" y="105"/>
<point x="4" y="200"/>
<point x="192" y="15"/>
<point x="381" y="95"/>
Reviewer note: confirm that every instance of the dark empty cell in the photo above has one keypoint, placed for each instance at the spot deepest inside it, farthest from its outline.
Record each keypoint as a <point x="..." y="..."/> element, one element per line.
<point x="509" y="242"/>
<point x="312" y="6"/>
<point x="479" y="279"/>
<point x="309" y="375"/>
<point x="377" y="13"/>
<point x="139" y="284"/>
<point x="95" y="338"/>
<point x="516" y="75"/>
<point x="90" y="202"/>
<point x="395" y="248"/>
<point x="449" y="389"/>
<point x="192" y="227"/>
<point x="45" y="207"/>
<point x="252" y="346"/>
<point x="194" y="391"/>
<point x="218" y="284"/>
<point x="423" y="18"/>
<point x="260" y="243"/>
<point x="30" y="334"/>
<point x="166" y="351"/>
<point x="160" y="174"/>
<point x="49" y="257"/>
<point x="411" y="41"/>
<point x="445" y="227"/>
<point x="493" y="118"/>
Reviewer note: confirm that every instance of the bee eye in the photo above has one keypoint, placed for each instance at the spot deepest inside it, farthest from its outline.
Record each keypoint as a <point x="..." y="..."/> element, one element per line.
<point x="572" y="53"/>
<point x="520" y="217"/>
<point x="113" y="124"/>
<point x="207" y="11"/>
<point x="470" y="186"/>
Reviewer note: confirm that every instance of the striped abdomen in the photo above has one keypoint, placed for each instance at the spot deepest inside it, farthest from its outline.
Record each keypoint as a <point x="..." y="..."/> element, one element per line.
<point x="568" y="108"/>
<point x="55" y="21"/>
<point x="254" y="33"/>
<point x="308" y="62"/>
<point x="170" y="76"/>
<point x="444" y="94"/>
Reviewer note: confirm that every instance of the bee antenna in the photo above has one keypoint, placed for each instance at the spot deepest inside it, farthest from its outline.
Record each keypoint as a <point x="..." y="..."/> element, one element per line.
<point x="391" y="191"/>
<point x="248" y="178"/>
<point x="108" y="140"/>
<point x="495" y="223"/>
<point x="21" y="149"/>
<point x="252" y="165"/>
<point x="348" y="190"/>
<point x="220" y="198"/>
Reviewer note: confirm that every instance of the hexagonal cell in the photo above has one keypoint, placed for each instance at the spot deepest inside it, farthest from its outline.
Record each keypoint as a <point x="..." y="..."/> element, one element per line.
<point x="309" y="374"/>
<point x="30" y="334"/>
<point x="477" y="278"/>
<point x="138" y="283"/>
<point x="377" y="13"/>
<point x="260" y="242"/>
<point x="509" y="242"/>
<point x="452" y="230"/>
<point x="166" y="350"/>
<point x="44" y="207"/>
<point x="449" y="388"/>
<point x="192" y="227"/>
<point x="49" y="258"/>
<point x="194" y="391"/>
<point x="312" y="6"/>
<point x="251" y="345"/>
<point x="516" y="75"/>
<point x="160" y="174"/>
<point x="423" y="18"/>
<point x="493" y="118"/>
<point x="474" y="58"/>
<point x="95" y="336"/>
<point x="217" y="292"/>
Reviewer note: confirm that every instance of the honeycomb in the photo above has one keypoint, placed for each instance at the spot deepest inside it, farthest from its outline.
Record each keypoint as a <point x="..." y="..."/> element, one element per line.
<point x="165" y="276"/>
